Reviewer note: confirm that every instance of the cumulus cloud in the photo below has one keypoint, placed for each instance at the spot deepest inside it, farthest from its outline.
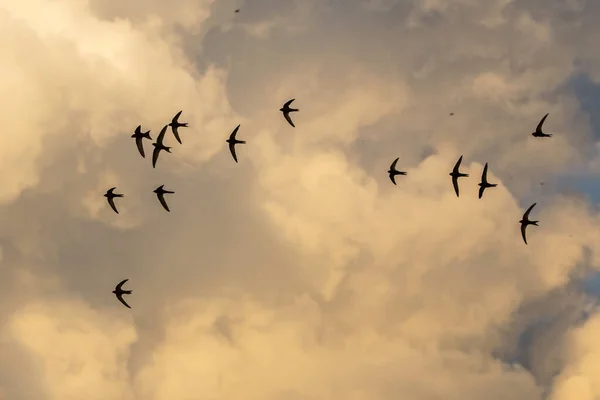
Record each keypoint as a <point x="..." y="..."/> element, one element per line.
<point x="300" y="272"/>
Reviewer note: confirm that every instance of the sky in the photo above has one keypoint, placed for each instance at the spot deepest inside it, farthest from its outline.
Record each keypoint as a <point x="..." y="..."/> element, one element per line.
<point x="301" y="272"/>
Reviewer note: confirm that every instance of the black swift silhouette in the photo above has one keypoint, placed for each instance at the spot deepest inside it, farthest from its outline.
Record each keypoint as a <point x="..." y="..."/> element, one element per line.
<point x="110" y="196"/>
<point x="393" y="171"/>
<point x="139" y="136"/>
<point x="455" y="174"/>
<point x="175" y="124"/>
<point x="538" y="130"/>
<point x="525" y="221"/>
<point x="286" y="110"/>
<point x="158" y="146"/>
<point x="484" y="183"/>
<point x="233" y="141"/>
<point x="237" y="11"/>
<point x="160" y="193"/>
<point x="120" y="292"/>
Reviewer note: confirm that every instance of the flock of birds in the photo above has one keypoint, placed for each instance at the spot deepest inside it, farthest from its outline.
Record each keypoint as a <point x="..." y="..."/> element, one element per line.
<point x="286" y="110"/>
<point x="159" y="146"/>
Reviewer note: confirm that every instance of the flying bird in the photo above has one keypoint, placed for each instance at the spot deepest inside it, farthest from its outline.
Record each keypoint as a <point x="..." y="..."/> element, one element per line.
<point x="484" y="183"/>
<point x="538" y="130"/>
<point x="120" y="292"/>
<point x="525" y="221"/>
<point x="110" y="196"/>
<point x="237" y="11"/>
<point x="175" y="124"/>
<point x="286" y="110"/>
<point x="233" y="141"/>
<point x="393" y="171"/>
<point x="158" y="146"/>
<point x="455" y="174"/>
<point x="160" y="193"/>
<point x="139" y="136"/>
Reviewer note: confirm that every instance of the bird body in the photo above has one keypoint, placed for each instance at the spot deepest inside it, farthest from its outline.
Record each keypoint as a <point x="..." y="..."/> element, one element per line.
<point x="393" y="171"/>
<point x="175" y="124"/>
<point x="119" y="292"/>
<point x="158" y="146"/>
<point x="160" y="193"/>
<point x="233" y="141"/>
<point x="110" y="197"/>
<point x="484" y="184"/>
<point x="455" y="174"/>
<point x="538" y="130"/>
<point x="286" y="110"/>
<point x="139" y="136"/>
<point x="526" y="222"/>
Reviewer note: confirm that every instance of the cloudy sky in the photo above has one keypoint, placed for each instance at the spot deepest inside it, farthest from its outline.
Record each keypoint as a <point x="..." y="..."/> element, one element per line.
<point x="300" y="273"/>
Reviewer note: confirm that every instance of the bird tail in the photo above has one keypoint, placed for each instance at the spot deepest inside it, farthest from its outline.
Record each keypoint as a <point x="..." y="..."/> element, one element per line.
<point x="535" y="223"/>
<point x="167" y="149"/>
<point x="147" y="135"/>
<point x="293" y="109"/>
<point x="127" y="291"/>
<point x="493" y="184"/>
<point x="184" y="124"/>
<point x="242" y="142"/>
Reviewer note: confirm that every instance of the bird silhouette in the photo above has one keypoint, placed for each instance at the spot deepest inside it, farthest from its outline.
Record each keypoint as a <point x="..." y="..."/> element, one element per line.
<point x="286" y="110"/>
<point x="233" y="141"/>
<point x="110" y="196"/>
<point x="538" y="130"/>
<point x="139" y="136"/>
<point x="175" y="124"/>
<point x="120" y="292"/>
<point x="393" y="171"/>
<point x="455" y="174"/>
<point x="158" y="146"/>
<point x="160" y="193"/>
<point x="525" y="222"/>
<point x="484" y="183"/>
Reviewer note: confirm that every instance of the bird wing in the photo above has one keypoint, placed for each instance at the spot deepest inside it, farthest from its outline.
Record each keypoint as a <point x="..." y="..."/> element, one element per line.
<point x="111" y="202"/>
<point x="287" y="117"/>
<point x="140" y="146"/>
<point x="526" y="215"/>
<point x="138" y="130"/>
<point x="523" y="227"/>
<point x="287" y="104"/>
<point x="120" y="297"/>
<point x="393" y="178"/>
<point x="120" y="285"/>
<point x="481" y="189"/>
<point x="232" y="136"/>
<point x="161" y="198"/>
<point x="484" y="174"/>
<point x="539" y="127"/>
<point x="232" y="150"/>
<point x="455" y="184"/>
<point x="457" y="165"/>
<point x="155" y="154"/>
<point x="393" y="166"/>
<point x="161" y="135"/>
<point x="176" y="133"/>
<point x="176" y="117"/>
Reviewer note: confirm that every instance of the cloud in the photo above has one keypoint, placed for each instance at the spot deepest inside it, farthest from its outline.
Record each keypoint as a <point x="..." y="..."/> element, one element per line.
<point x="301" y="272"/>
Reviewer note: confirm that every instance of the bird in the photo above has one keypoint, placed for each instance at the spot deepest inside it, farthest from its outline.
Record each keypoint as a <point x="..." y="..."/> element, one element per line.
<point x="237" y="11"/>
<point x="120" y="292"/>
<point x="110" y="196"/>
<point x="538" y="130"/>
<point x="160" y="193"/>
<point x="451" y="114"/>
<point x="176" y="124"/>
<point x="139" y="136"/>
<point x="455" y="174"/>
<point x="393" y="171"/>
<point x="158" y="146"/>
<point x="484" y="183"/>
<point x="525" y="221"/>
<point x="286" y="110"/>
<point x="233" y="141"/>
